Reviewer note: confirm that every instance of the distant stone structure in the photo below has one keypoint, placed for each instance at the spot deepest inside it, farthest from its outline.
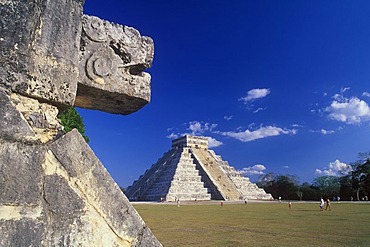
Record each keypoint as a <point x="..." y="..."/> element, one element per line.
<point x="53" y="189"/>
<point x="191" y="171"/>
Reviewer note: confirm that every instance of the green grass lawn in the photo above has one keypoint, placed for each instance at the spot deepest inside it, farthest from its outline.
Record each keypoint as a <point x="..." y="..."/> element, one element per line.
<point x="258" y="224"/>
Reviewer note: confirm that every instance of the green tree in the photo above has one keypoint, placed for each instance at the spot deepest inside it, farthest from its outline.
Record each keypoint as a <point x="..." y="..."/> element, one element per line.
<point x="329" y="186"/>
<point x="71" y="119"/>
<point x="309" y="192"/>
<point x="285" y="186"/>
<point x="265" y="180"/>
<point x="361" y="178"/>
<point x="346" y="189"/>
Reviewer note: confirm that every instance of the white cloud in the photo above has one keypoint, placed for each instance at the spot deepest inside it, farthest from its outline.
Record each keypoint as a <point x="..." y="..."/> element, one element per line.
<point x="318" y="172"/>
<point x="212" y="143"/>
<point x="350" y="111"/>
<point x="326" y="132"/>
<point x="173" y="136"/>
<point x="228" y="118"/>
<point x="197" y="128"/>
<point x="366" y="94"/>
<point x="286" y="167"/>
<point x="259" y="109"/>
<point x="255" y="94"/>
<point x="338" y="97"/>
<point x="254" y="170"/>
<point x="262" y="132"/>
<point x="335" y="168"/>
<point x="297" y="126"/>
<point x="323" y="131"/>
<point x="343" y="89"/>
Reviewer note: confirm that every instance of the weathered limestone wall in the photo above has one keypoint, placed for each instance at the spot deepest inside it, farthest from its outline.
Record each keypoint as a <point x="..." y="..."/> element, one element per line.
<point x="60" y="194"/>
<point x="39" y="42"/>
<point x="53" y="189"/>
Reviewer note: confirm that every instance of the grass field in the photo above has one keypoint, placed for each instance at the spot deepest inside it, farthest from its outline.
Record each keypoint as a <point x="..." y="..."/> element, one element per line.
<point x="258" y="224"/>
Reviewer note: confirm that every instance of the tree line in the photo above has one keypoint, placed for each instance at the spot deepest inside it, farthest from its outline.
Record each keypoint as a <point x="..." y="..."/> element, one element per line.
<point x="352" y="186"/>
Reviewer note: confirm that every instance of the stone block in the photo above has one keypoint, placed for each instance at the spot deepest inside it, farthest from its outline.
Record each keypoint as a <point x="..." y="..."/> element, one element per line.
<point x="23" y="232"/>
<point x="39" y="43"/>
<point x="13" y="126"/>
<point x="41" y="117"/>
<point x="60" y="198"/>
<point x="105" y="201"/>
<point x="21" y="175"/>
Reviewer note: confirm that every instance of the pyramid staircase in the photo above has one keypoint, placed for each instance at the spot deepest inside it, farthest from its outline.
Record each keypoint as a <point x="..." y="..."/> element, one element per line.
<point x="219" y="178"/>
<point x="174" y="178"/>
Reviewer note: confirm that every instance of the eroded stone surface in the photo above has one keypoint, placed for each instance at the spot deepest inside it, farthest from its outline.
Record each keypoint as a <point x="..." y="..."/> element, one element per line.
<point x="20" y="174"/>
<point x="13" y="126"/>
<point x="39" y="43"/>
<point x="66" y="197"/>
<point x="24" y="232"/>
<point x="41" y="117"/>
<point x="61" y="199"/>
<point x="99" y="190"/>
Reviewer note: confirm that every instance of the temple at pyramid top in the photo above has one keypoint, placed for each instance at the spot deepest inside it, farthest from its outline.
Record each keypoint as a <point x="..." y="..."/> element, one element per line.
<point x="191" y="141"/>
<point x="191" y="171"/>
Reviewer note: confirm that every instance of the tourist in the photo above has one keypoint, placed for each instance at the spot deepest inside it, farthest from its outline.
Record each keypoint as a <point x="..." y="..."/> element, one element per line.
<point x="328" y="204"/>
<point x="290" y="205"/>
<point x="322" y="204"/>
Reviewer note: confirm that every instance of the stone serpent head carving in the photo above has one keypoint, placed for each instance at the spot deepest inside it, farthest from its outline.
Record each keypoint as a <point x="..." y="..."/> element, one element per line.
<point x="112" y="59"/>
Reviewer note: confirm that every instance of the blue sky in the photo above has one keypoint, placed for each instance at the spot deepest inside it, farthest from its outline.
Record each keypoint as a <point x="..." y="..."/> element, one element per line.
<point x="277" y="86"/>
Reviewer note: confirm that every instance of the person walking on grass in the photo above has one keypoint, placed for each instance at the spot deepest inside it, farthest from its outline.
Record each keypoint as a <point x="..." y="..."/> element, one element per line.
<point x="322" y="204"/>
<point x="328" y="204"/>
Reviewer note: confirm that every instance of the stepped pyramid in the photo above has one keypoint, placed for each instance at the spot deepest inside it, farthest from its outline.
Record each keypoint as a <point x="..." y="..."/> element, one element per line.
<point x="191" y="171"/>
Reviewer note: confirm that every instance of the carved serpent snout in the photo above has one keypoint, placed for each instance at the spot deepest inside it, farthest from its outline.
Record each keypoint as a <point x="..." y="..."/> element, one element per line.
<point x="112" y="60"/>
